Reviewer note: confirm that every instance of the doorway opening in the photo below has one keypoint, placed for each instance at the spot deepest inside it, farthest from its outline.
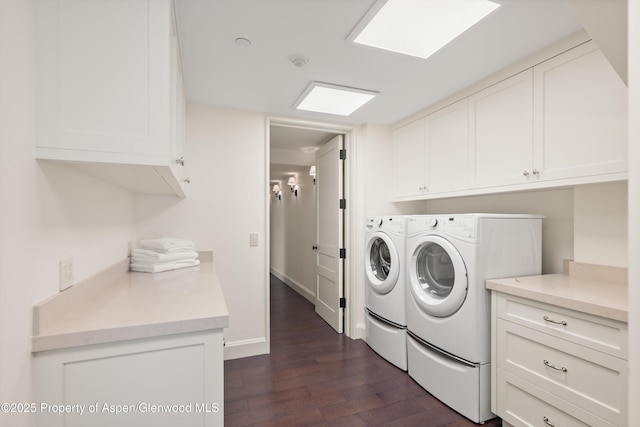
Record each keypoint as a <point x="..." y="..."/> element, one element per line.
<point x="294" y="211"/>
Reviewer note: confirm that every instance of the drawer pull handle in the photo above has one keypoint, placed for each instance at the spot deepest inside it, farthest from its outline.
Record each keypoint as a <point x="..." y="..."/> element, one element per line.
<point x="557" y="368"/>
<point x="557" y="322"/>
<point x="546" y="421"/>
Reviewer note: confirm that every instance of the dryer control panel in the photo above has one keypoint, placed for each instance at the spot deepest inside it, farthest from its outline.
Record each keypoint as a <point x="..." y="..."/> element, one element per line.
<point x="459" y="225"/>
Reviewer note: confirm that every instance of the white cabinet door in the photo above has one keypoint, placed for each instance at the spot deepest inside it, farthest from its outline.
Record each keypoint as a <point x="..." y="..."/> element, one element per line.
<point x="409" y="154"/>
<point x="566" y="365"/>
<point x="179" y="110"/>
<point x="102" y="83"/>
<point x="447" y="139"/>
<point x="580" y="115"/>
<point x="164" y="381"/>
<point x="107" y="90"/>
<point x="501" y="132"/>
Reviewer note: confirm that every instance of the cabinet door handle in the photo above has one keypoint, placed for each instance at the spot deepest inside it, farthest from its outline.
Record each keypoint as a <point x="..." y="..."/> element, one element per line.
<point x="180" y="161"/>
<point x="546" y="421"/>
<point x="535" y="172"/>
<point x="314" y="247"/>
<point x="557" y="368"/>
<point x="557" y="322"/>
<point x="187" y="180"/>
<point x="525" y="173"/>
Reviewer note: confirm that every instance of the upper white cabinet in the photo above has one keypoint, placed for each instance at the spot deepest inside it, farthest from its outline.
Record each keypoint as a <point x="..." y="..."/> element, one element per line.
<point x="409" y="153"/>
<point x="430" y="154"/>
<point x="501" y="132"/>
<point x="559" y="122"/>
<point x="109" y="91"/>
<point x="580" y="116"/>
<point x="448" y="147"/>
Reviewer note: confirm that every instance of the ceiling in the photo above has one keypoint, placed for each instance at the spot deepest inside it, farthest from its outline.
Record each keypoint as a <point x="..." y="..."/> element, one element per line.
<point x="295" y="138"/>
<point x="262" y="78"/>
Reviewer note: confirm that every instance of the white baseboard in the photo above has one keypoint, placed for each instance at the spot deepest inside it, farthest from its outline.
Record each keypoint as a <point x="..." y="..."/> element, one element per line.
<point x="245" y="348"/>
<point x="308" y="295"/>
<point x="360" y="332"/>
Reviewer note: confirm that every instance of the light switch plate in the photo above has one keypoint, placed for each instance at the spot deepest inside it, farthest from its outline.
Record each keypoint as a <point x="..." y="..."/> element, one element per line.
<point x="66" y="273"/>
<point x="253" y="239"/>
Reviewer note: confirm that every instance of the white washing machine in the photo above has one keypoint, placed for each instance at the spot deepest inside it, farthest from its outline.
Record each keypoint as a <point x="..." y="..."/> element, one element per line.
<point x="385" y="269"/>
<point x="448" y="306"/>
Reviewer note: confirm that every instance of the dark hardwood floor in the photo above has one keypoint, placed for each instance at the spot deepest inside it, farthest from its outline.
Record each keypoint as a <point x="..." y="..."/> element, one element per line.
<point x="315" y="376"/>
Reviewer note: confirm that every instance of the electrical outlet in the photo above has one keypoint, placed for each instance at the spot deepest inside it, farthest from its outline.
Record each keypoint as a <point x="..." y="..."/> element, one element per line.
<point x="253" y="239"/>
<point x="66" y="273"/>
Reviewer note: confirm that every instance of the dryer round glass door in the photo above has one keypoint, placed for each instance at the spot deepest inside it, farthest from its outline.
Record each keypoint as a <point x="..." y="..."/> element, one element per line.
<point x="438" y="276"/>
<point x="382" y="264"/>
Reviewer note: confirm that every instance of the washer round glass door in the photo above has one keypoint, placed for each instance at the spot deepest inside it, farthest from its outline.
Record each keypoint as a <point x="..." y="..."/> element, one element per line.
<point x="438" y="277"/>
<point x="382" y="264"/>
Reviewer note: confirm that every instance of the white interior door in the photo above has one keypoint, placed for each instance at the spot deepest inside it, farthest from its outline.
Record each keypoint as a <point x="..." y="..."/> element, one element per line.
<point x="329" y="264"/>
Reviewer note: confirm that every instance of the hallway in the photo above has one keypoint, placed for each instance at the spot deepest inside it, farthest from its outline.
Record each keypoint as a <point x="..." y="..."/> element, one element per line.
<point x="315" y="376"/>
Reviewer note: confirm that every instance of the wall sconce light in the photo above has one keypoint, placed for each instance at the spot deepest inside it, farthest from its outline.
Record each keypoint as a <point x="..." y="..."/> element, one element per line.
<point x="276" y="191"/>
<point x="294" y="187"/>
<point x="312" y="172"/>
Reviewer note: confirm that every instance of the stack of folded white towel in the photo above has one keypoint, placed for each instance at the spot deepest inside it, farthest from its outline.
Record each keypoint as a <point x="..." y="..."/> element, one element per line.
<point x="163" y="254"/>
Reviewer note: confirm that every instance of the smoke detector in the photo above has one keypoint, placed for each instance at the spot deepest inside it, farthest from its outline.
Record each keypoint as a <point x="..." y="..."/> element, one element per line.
<point x="298" y="60"/>
<point x="242" y="42"/>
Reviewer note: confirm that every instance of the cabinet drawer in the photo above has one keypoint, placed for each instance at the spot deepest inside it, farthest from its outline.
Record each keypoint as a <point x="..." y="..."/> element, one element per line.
<point x="522" y="403"/>
<point x="587" y="378"/>
<point x="605" y="335"/>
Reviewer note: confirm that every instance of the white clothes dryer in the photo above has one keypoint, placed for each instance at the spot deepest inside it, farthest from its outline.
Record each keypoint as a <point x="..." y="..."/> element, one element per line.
<point x="448" y="306"/>
<point x="385" y="269"/>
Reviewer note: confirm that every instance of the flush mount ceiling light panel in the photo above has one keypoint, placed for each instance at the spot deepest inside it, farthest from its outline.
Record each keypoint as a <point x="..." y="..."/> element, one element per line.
<point x="333" y="99"/>
<point x="418" y="27"/>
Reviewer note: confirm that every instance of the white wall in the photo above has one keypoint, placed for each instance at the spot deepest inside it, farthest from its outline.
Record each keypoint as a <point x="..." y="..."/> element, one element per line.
<point x="634" y="212"/>
<point x="377" y="166"/>
<point x="292" y="234"/>
<point x="600" y="224"/>
<point x="285" y="156"/>
<point x="371" y="188"/>
<point x="556" y="205"/>
<point x="606" y="22"/>
<point x="225" y="159"/>
<point x="48" y="212"/>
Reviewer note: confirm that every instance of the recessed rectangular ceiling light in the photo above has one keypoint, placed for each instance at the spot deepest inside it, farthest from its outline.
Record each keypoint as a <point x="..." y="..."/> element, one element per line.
<point x="333" y="99"/>
<point x="419" y="27"/>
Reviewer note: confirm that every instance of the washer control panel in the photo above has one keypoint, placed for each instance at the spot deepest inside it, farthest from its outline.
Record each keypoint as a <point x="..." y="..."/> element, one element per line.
<point x="463" y="226"/>
<point x="389" y="223"/>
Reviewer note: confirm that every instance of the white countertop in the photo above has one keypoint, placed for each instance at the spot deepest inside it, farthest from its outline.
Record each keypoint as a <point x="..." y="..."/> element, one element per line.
<point x="133" y="306"/>
<point x="597" y="297"/>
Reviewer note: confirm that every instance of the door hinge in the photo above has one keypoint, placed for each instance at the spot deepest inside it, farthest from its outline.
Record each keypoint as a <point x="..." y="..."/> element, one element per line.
<point x="343" y="154"/>
<point x="343" y="203"/>
<point x="343" y="253"/>
<point x="343" y="302"/>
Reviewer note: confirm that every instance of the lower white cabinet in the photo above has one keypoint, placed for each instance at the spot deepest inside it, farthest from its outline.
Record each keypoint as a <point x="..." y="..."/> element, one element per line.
<point x="557" y="367"/>
<point x="165" y="381"/>
<point x="526" y="404"/>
